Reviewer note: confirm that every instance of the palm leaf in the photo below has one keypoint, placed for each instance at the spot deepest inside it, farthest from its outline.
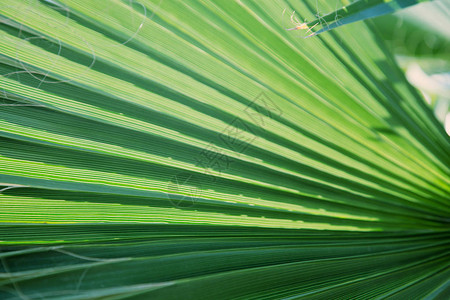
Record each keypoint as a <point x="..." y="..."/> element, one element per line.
<point x="196" y="149"/>
<point x="355" y="11"/>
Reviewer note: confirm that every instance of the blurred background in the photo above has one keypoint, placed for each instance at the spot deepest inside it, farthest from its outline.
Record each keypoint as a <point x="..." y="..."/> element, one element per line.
<point x="420" y="38"/>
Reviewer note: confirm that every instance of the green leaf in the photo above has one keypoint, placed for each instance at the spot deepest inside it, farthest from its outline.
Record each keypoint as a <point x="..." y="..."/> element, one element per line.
<point x="357" y="10"/>
<point x="196" y="149"/>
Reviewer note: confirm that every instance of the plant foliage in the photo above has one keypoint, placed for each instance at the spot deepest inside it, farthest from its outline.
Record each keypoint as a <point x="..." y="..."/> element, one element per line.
<point x="357" y="11"/>
<point x="197" y="149"/>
